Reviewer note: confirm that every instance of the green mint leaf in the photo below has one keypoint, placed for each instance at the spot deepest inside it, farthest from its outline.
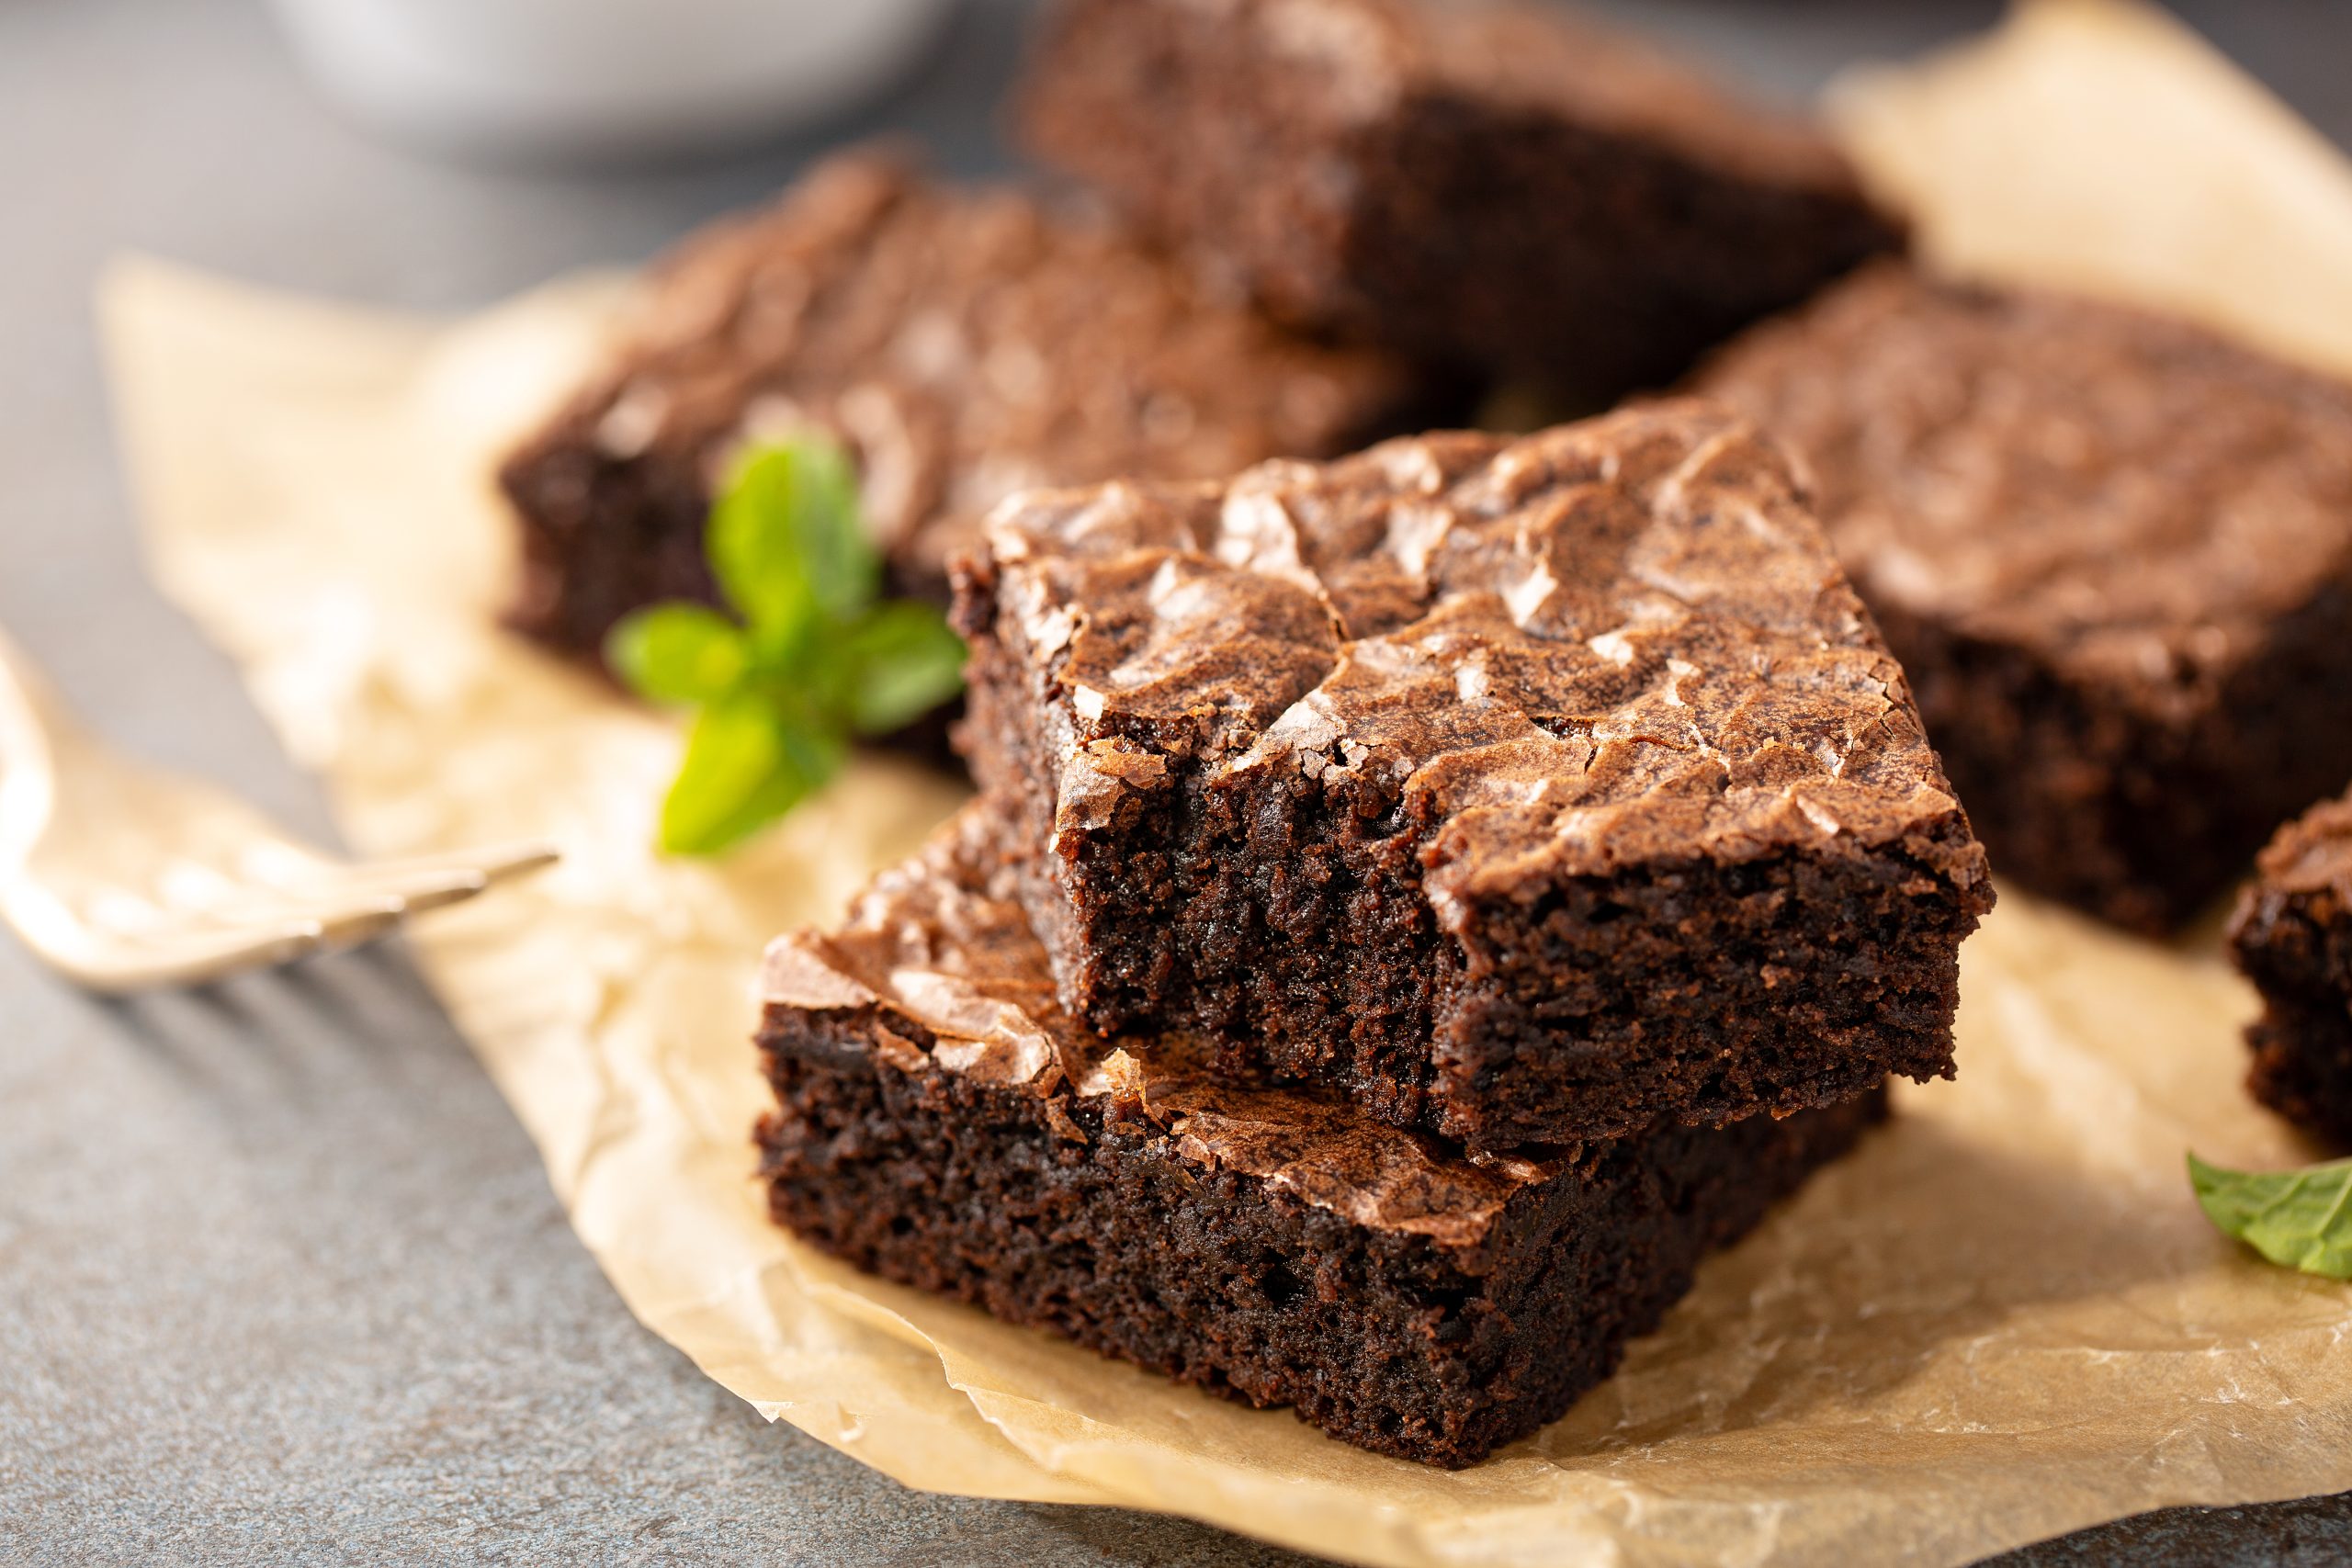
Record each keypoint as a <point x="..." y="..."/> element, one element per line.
<point x="902" y="660"/>
<point x="814" y="661"/>
<point x="678" y="654"/>
<point x="748" y="761"/>
<point x="787" y="545"/>
<point x="2299" y="1218"/>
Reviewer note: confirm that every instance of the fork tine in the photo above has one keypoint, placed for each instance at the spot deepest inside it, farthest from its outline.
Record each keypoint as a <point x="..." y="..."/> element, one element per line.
<point x="495" y="864"/>
<point x="320" y="922"/>
<point x="430" y="883"/>
<point x="440" y="894"/>
<point x="434" y="882"/>
<point x="361" y="913"/>
<point x="122" y="967"/>
<point x="359" y="924"/>
<point x="518" y="858"/>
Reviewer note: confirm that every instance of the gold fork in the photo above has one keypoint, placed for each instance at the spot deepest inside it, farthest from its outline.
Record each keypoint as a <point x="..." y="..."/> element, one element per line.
<point x="125" y="878"/>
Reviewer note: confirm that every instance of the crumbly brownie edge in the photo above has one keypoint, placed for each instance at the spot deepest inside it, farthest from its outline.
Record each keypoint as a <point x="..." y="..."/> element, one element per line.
<point x="2142" y="821"/>
<point x="2291" y="936"/>
<point x="1703" y="991"/>
<point x="601" y="536"/>
<point x="1079" y="1216"/>
<point x="1711" y="255"/>
<point x="1378" y="256"/>
<point x="2126" y="719"/>
<point x="2303" y="1065"/>
<point x="1696" y="989"/>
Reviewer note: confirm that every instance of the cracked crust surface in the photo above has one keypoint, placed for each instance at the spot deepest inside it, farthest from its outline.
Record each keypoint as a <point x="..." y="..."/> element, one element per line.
<point x="1575" y="650"/>
<point x="964" y="344"/>
<point x="1351" y="765"/>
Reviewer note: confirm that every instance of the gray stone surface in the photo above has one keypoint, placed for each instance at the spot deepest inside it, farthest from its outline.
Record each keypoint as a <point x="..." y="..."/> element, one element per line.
<point x="280" y="1280"/>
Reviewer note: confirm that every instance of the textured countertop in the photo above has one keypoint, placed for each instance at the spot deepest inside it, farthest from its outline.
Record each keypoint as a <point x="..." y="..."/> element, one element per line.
<point x="280" y="1278"/>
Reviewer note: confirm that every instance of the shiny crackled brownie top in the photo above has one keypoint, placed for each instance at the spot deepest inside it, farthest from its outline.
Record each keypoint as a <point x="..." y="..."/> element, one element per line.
<point x="2132" y="498"/>
<point x="936" y="966"/>
<point x="1614" y="643"/>
<point x="968" y="344"/>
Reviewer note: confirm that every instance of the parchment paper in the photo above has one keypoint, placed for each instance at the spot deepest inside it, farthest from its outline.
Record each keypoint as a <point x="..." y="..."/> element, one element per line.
<point x="2002" y="1319"/>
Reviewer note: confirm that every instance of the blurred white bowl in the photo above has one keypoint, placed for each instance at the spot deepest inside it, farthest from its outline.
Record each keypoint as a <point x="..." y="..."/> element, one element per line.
<point x="603" y="77"/>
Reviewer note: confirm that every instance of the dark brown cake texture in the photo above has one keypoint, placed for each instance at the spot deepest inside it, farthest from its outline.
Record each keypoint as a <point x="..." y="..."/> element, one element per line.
<point x="1523" y="790"/>
<point x="964" y="344"/>
<point x="941" y="1122"/>
<point x="2114" y="553"/>
<point x="1490" y="183"/>
<point x="2292" y="937"/>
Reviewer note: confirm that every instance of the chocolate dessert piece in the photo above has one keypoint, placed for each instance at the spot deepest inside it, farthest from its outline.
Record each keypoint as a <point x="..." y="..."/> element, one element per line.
<point x="940" y="1121"/>
<point x="1521" y="789"/>
<point x="2113" y="552"/>
<point x="964" y="344"/>
<point x="2292" y="937"/>
<point x="1497" y="185"/>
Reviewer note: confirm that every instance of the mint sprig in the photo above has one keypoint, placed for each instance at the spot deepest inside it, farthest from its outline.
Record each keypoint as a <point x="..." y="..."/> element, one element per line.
<point x="2302" y="1219"/>
<point x="811" y="657"/>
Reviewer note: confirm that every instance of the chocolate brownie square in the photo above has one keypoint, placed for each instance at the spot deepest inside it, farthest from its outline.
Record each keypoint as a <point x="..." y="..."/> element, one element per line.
<point x="2292" y="937"/>
<point x="1521" y="789"/>
<point x="940" y="1121"/>
<point x="2113" y="551"/>
<point x="965" y="344"/>
<point x="1490" y="183"/>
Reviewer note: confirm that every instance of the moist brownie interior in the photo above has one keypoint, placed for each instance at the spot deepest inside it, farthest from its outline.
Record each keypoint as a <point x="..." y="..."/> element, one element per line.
<point x="1523" y="790"/>
<point x="2113" y="552"/>
<point x="940" y="1121"/>
<point x="2292" y="937"/>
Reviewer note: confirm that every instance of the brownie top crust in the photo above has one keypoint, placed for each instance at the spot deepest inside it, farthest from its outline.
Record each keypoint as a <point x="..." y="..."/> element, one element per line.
<point x="2311" y="854"/>
<point x="966" y="343"/>
<point x="2132" y="498"/>
<point x="1611" y="644"/>
<point x="1366" y="58"/>
<point x="938" y="961"/>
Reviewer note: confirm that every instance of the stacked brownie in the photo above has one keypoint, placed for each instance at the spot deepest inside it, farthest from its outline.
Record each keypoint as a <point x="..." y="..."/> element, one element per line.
<point x="2292" y="937"/>
<point x="963" y="344"/>
<point x="2113" y="551"/>
<point x="944" y="1122"/>
<point x="1419" y="905"/>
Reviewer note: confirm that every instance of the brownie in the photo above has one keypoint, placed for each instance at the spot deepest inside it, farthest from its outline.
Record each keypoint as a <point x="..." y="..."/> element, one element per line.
<point x="1522" y="789"/>
<point x="2113" y="551"/>
<point x="1494" y="185"/>
<point x="2292" y="937"/>
<point x="964" y="344"/>
<point x="939" y="1121"/>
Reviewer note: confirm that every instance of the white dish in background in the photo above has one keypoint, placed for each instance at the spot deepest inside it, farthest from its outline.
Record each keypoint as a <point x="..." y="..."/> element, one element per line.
<point x="613" y="78"/>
